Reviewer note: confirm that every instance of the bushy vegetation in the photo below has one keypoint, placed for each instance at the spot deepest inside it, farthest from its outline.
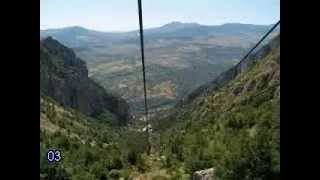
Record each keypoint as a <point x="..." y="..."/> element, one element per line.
<point x="90" y="149"/>
<point x="235" y="129"/>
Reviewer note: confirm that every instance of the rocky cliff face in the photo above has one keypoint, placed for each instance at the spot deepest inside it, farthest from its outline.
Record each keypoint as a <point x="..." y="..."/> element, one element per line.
<point x="64" y="77"/>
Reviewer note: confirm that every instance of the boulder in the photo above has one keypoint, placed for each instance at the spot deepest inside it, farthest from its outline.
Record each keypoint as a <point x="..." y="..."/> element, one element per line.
<point x="207" y="174"/>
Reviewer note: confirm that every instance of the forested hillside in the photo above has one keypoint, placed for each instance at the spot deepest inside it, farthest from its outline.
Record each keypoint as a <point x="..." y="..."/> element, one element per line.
<point x="234" y="129"/>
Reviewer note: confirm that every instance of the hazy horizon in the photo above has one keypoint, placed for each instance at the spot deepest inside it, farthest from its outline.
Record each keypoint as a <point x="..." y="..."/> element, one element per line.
<point x="122" y="16"/>
<point x="62" y="27"/>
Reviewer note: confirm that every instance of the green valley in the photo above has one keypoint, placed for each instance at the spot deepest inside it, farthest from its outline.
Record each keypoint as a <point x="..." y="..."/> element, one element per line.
<point x="179" y="58"/>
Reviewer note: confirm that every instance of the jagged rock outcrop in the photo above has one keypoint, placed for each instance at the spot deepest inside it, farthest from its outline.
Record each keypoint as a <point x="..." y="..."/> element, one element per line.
<point x="207" y="174"/>
<point x="64" y="77"/>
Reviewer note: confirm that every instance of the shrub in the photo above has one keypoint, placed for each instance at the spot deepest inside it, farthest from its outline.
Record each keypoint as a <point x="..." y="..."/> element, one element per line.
<point x="115" y="163"/>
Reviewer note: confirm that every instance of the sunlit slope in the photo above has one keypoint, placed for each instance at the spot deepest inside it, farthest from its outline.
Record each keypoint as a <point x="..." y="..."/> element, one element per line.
<point x="235" y="128"/>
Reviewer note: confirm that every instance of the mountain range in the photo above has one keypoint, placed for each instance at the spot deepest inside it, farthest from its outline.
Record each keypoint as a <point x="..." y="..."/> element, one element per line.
<point x="75" y="34"/>
<point x="179" y="58"/>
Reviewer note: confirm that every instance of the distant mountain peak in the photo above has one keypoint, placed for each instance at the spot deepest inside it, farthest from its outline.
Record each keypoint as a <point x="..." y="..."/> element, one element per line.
<point x="76" y="29"/>
<point x="173" y="23"/>
<point x="178" y="23"/>
<point x="233" y="23"/>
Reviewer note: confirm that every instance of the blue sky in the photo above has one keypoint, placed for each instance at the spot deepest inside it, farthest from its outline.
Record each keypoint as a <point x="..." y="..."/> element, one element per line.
<point x="122" y="15"/>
